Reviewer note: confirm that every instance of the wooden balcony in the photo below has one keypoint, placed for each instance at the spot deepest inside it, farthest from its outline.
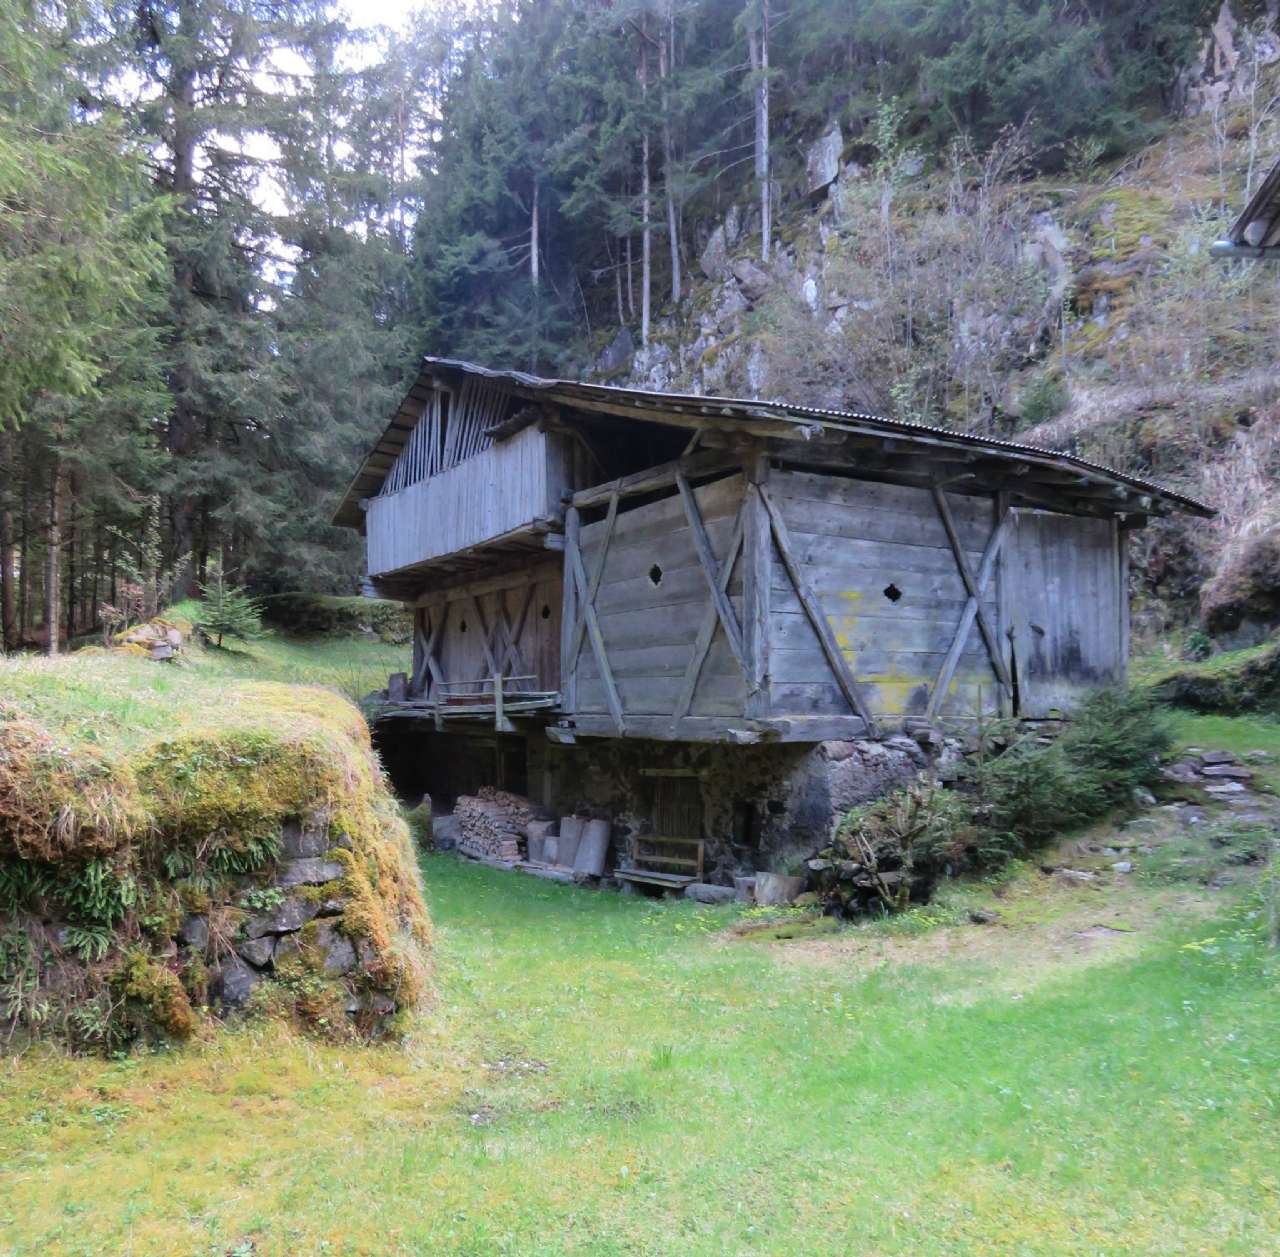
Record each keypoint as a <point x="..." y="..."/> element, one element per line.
<point x="506" y="495"/>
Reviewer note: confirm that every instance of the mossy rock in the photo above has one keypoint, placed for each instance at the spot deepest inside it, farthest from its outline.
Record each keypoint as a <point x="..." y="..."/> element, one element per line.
<point x="1253" y="685"/>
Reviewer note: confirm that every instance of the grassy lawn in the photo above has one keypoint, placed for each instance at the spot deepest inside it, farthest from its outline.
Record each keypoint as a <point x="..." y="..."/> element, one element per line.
<point x="604" y="1075"/>
<point x="1098" y="1072"/>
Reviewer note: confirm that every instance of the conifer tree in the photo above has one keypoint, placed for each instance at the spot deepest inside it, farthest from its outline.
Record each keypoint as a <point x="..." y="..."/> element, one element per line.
<point x="226" y="610"/>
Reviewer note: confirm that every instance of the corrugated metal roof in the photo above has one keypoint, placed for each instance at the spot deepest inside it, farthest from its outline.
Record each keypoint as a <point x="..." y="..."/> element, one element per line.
<point x="1256" y="233"/>
<point x="647" y="405"/>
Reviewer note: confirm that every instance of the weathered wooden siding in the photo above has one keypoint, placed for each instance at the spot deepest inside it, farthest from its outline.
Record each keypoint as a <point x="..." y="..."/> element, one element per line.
<point x="498" y="491"/>
<point x="1066" y="604"/>
<point x="866" y="610"/>
<point x="476" y="625"/>
<point x="650" y="618"/>
<point x="856" y="542"/>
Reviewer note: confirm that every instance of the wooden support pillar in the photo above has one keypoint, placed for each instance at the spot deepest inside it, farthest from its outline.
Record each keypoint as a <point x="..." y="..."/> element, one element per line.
<point x="569" y="613"/>
<point x="757" y="578"/>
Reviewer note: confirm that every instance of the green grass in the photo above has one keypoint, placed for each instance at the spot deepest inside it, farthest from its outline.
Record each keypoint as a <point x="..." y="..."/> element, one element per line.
<point x="615" y="1076"/>
<point x="120" y="699"/>
<point x="603" y="1075"/>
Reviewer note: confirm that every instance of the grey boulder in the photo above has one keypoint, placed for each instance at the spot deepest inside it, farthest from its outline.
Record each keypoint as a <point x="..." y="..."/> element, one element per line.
<point x="291" y="915"/>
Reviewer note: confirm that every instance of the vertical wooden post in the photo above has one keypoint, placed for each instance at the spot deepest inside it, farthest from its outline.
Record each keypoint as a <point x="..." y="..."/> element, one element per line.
<point x="569" y="613"/>
<point x="757" y="577"/>
<point x="1005" y="695"/>
<point x="417" y="676"/>
<point x="1122" y="576"/>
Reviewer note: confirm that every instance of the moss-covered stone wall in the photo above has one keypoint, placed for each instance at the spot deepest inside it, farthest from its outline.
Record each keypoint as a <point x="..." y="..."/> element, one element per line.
<point x="248" y="858"/>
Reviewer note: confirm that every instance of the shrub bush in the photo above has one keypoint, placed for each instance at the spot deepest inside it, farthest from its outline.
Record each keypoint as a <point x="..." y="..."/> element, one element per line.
<point x="1032" y="791"/>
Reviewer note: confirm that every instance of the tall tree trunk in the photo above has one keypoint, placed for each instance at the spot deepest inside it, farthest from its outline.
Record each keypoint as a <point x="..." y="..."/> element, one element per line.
<point x="631" y="285"/>
<point x="617" y="289"/>
<point x="533" y="237"/>
<point x="758" y="48"/>
<point x="184" y="424"/>
<point x="53" y="552"/>
<point x="72" y="572"/>
<point x="646" y="232"/>
<point x="24" y="562"/>
<point x="8" y="601"/>
<point x="666" y="66"/>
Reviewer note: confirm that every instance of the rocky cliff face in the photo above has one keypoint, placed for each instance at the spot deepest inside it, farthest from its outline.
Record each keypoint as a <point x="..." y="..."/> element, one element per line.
<point x="1078" y="309"/>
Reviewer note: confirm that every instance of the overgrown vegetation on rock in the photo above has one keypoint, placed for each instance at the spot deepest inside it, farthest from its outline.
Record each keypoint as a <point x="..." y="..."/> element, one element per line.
<point x="1019" y="789"/>
<point x="168" y="852"/>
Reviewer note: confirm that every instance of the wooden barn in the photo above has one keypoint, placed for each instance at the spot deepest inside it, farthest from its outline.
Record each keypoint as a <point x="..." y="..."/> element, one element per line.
<point x="593" y="565"/>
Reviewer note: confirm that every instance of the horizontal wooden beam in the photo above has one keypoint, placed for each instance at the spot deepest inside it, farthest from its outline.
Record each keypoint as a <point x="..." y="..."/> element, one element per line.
<point x="779" y="429"/>
<point x="661" y="477"/>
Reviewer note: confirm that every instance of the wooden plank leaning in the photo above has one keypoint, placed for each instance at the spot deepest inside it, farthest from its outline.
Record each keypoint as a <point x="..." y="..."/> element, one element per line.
<point x="972" y="608"/>
<point x="588" y="621"/>
<point x="707" y="629"/>
<point x="847" y="682"/>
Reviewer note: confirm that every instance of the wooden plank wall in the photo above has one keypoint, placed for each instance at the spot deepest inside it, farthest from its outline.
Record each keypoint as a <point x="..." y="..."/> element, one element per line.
<point x="499" y="490"/>
<point x="460" y="652"/>
<point x="649" y="627"/>
<point x="855" y="539"/>
<point x="1067" y="605"/>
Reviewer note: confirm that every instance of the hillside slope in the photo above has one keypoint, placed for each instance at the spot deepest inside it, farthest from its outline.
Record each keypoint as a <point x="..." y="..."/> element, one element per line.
<point x="1080" y="310"/>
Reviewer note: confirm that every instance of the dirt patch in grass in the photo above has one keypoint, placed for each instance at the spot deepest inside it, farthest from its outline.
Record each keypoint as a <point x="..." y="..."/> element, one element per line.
<point x="1070" y="910"/>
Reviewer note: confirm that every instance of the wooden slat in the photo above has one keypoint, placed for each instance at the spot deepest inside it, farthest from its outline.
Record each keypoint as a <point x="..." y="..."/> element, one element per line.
<point x="844" y="678"/>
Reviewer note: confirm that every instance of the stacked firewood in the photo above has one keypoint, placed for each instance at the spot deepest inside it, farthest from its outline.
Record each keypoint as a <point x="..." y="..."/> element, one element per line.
<point x="491" y="824"/>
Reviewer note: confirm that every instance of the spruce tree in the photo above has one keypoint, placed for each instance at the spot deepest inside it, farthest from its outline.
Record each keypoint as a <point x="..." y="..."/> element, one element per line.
<point x="226" y="610"/>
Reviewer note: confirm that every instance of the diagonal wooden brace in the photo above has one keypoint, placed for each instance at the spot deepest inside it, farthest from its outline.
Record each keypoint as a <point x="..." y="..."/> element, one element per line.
<point x="707" y="630"/>
<point x="587" y="593"/>
<point x="589" y="622"/>
<point x="976" y="587"/>
<point x="710" y="568"/>
<point x="836" y="661"/>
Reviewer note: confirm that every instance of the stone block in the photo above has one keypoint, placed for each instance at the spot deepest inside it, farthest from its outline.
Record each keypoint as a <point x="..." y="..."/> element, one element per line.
<point x="291" y="915"/>
<point x="707" y="892"/>
<point x="257" y="951"/>
<point x="195" y="932"/>
<point x="309" y="871"/>
<point x="303" y="841"/>
<point x="232" y="982"/>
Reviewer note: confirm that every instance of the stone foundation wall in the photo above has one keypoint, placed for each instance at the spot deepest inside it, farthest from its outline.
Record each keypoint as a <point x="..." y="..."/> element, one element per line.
<point x="764" y="807"/>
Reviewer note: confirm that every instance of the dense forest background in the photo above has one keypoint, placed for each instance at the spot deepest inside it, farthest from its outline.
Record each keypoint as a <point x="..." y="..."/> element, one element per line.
<point x="228" y="229"/>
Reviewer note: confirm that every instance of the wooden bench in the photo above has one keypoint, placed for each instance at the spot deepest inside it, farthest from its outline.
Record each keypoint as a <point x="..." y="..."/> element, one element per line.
<point x="652" y="855"/>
